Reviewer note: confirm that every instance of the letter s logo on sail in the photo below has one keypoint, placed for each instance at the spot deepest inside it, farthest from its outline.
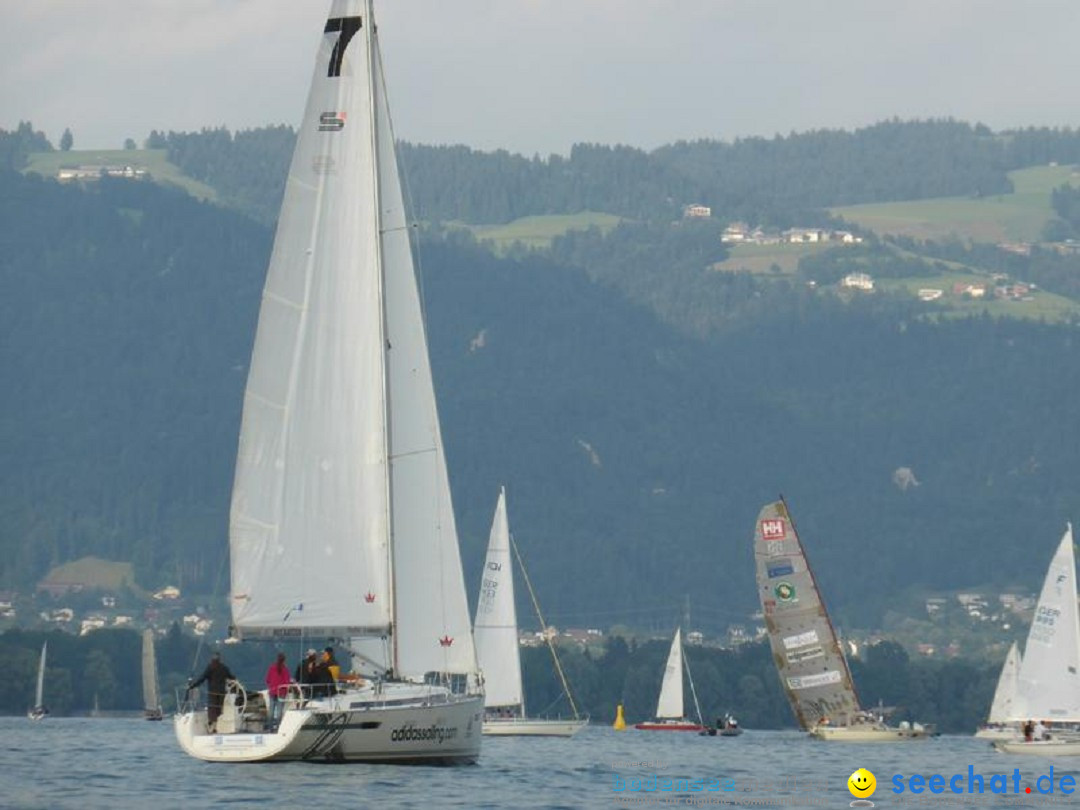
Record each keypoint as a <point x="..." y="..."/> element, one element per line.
<point x="331" y="122"/>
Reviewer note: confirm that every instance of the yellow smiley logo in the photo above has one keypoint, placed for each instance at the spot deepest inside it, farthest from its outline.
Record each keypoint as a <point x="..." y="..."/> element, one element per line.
<point x="862" y="784"/>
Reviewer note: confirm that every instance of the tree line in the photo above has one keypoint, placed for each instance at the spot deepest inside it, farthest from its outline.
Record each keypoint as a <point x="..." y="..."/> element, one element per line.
<point x="780" y="181"/>
<point x="102" y="670"/>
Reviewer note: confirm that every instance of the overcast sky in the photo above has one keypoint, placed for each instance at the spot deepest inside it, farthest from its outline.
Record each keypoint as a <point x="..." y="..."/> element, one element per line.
<point x="540" y="75"/>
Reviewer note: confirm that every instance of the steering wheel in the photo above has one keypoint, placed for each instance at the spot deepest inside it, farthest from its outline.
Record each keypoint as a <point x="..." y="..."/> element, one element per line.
<point x="240" y="701"/>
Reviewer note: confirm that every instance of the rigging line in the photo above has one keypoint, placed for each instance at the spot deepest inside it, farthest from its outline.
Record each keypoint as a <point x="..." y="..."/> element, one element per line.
<point x="543" y="625"/>
<point x="215" y="593"/>
<point x="693" y="691"/>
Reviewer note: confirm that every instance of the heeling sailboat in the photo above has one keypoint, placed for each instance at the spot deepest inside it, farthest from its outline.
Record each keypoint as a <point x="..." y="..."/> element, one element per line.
<point x="670" y="711"/>
<point x="496" y="634"/>
<point x="813" y="670"/>
<point x="40" y="711"/>
<point x="151" y="696"/>
<point x="342" y="525"/>
<point x="1049" y="679"/>
<point x="1006" y="703"/>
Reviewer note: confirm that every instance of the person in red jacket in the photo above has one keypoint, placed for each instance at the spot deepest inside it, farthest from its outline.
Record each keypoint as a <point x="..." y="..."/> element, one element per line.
<point x="278" y="679"/>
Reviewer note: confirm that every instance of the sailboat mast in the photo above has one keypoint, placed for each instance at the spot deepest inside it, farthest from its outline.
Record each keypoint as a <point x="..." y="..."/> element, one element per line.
<point x="368" y="24"/>
<point x="825" y="610"/>
<point x="543" y="628"/>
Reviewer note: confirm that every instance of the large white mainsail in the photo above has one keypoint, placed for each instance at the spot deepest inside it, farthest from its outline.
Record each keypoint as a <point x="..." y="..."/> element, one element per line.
<point x="495" y="627"/>
<point x="669" y="706"/>
<point x="1049" y="677"/>
<point x="1007" y="704"/>
<point x="342" y="522"/>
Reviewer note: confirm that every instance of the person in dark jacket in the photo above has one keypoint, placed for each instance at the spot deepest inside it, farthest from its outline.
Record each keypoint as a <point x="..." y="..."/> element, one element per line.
<point x="216" y="675"/>
<point x="304" y="670"/>
<point x="322" y="676"/>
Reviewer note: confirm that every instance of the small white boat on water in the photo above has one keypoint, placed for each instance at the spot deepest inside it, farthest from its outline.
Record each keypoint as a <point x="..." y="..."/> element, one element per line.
<point x="40" y="711"/>
<point x="813" y="670"/>
<point x="342" y="524"/>
<point x="497" y="648"/>
<point x="1049" y="675"/>
<point x="670" y="711"/>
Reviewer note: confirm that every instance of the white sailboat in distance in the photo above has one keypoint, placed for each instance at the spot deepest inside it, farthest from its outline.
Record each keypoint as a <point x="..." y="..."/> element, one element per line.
<point x="151" y="693"/>
<point x="1001" y="723"/>
<point x="1049" y="680"/>
<point x="496" y="633"/>
<point x="40" y="711"/>
<point x="342" y="525"/>
<point x="809" y="660"/>
<point x="670" y="711"/>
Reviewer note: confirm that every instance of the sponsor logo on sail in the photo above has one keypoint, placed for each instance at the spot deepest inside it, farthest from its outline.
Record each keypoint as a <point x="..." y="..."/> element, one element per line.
<point x="801" y="640"/>
<point x="780" y="568"/>
<point x="785" y="591"/>
<point x="799" y="656"/>
<point x="773" y="529"/>
<point x="331" y="121"/>
<point x="810" y="681"/>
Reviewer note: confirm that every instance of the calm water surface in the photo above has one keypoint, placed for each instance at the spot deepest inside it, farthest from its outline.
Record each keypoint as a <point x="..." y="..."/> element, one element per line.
<point x="119" y="763"/>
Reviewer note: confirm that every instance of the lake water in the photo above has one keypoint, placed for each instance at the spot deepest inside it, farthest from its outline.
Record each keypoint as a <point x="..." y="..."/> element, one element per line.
<point x="119" y="763"/>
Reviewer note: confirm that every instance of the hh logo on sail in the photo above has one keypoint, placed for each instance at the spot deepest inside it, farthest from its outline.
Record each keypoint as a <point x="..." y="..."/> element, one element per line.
<point x="773" y="529"/>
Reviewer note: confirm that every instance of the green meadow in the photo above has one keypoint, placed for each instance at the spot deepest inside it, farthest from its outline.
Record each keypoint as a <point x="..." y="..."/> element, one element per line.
<point x="539" y="231"/>
<point x="1020" y="216"/>
<point x="153" y="160"/>
<point x="765" y="258"/>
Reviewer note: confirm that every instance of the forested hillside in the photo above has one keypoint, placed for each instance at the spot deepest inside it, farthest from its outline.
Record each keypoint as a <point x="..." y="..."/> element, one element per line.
<point x="779" y="181"/>
<point x="636" y="448"/>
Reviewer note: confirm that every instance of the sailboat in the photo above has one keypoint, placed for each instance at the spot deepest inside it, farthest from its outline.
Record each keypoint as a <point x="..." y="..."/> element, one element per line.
<point x="999" y="725"/>
<point x="40" y="711"/>
<point x="341" y="524"/>
<point x="151" y="698"/>
<point x="670" y="714"/>
<point x="496" y="634"/>
<point x="1049" y="679"/>
<point x="813" y="670"/>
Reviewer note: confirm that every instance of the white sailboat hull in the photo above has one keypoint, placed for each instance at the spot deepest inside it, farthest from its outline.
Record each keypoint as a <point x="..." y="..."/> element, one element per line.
<point x="996" y="733"/>
<point x="529" y="727"/>
<point x="1039" y="748"/>
<point x="869" y="733"/>
<point x="402" y="723"/>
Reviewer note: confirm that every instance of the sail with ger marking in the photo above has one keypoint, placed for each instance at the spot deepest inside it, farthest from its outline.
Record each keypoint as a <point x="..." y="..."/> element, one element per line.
<point x="496" y="619"/>
<point x="1049" y="678"/>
